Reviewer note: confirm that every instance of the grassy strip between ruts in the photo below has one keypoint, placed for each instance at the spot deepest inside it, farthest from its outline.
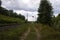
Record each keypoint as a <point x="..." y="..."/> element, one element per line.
<point x="32" y="34"/>
<point x="13" y="34"/>
<point x="47" y="33"/>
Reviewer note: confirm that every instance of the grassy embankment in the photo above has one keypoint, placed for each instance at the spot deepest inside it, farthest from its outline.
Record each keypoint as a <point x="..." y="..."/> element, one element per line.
<point x="7" y="19"/>
<point x="15" y="33"/>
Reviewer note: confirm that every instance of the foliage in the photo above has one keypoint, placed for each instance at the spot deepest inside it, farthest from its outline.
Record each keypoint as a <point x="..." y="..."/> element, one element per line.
<point x="45" y="12"/>
<point x="10" y="13"/>
<point x="57" y="23"/>
<point x="7" y="19"/>
<point x="13" y="33"/>
<point x="47" y="33"/>
<point x="59" y="15"/>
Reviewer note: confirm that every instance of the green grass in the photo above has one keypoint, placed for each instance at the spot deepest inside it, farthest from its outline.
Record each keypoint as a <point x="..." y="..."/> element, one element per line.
<point x="13" y="34"/>
<point x="7" y="19"/>
<point x="32" y="34"/>
<point x="48" y="33"/>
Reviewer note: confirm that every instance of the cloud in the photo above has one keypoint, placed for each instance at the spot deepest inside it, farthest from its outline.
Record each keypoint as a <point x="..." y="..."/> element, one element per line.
<point x="56" y="6"/>
<point x="28" y="5"/>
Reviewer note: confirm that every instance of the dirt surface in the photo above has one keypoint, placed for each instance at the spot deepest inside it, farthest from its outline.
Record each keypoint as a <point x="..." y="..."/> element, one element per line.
<point x="37" y="33"/>
<point x="24" y="35"/>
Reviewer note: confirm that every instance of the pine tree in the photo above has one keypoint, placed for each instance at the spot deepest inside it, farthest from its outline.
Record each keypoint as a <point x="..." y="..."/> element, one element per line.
<point x="45" y="12"/>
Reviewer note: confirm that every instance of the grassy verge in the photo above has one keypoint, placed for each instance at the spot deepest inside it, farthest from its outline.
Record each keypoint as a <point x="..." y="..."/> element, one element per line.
<point x="48" y="33"/>
<point x="7" y="19"/>
<point x="13" y="34"/>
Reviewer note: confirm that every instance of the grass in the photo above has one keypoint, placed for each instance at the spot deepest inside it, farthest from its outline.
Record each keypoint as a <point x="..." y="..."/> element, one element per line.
<point x="7" y="19"/>
<point x="48" y="33"/>
<point x="13" y="34"/>
<point x="32" y="34"/>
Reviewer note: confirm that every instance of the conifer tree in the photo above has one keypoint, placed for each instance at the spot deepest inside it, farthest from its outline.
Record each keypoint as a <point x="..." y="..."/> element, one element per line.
<point x="45" y="12"/>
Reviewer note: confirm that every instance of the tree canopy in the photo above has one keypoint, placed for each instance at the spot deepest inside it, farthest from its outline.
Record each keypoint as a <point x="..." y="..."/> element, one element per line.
<point x="45" y="12"/>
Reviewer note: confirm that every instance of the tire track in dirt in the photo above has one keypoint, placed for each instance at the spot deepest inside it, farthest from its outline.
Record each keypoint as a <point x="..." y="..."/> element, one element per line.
<point x="24" y="36"/>
<point x="37" y="33"/>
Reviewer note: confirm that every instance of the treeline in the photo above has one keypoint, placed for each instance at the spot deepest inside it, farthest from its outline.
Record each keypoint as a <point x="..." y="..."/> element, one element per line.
<point x="8" y="16"/>
<point x="56" y="23"/>
<point x="10" y="13"/>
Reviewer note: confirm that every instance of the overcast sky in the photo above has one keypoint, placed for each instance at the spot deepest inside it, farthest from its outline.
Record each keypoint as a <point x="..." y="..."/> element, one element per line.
<point x="29" y="6"/>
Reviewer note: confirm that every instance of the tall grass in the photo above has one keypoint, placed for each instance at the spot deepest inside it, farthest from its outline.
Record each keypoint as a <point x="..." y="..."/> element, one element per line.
<point x="32" y="34"/>
<point x="47" y="33"/>
<point x="13" y="34"/>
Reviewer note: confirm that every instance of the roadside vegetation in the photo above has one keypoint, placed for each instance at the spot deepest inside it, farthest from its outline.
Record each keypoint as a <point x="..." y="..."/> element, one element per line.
<point x="13" y="26"/>
<point x="7" y="19"/>
<point x="47" y="33"/>
<point x="13" y="33"/>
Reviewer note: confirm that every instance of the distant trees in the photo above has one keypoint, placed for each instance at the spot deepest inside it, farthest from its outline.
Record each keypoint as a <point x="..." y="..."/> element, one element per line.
<point x="57" y="23"/>
<point x="10" y="13"/>
<point x="22" y="17"/>
<point x="45" y="12"/>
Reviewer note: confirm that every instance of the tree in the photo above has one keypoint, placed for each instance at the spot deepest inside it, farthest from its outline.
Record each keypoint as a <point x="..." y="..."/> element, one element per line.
<point x="11" y="13"/>
<point x="21" y="16"/>
<point x="58" y="14"/>
<point x="0" y="3"/>
<point x="45" y="12"/>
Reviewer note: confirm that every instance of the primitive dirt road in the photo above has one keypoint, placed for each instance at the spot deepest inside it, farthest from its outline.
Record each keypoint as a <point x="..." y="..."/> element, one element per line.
<point x="25" y="34"/>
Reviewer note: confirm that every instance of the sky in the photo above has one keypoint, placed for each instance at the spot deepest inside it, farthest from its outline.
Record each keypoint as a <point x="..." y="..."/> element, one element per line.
<point x="29" y="7"/>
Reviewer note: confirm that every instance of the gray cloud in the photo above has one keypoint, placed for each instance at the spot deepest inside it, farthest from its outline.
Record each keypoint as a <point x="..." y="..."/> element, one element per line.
<point x="28" y="5"/>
